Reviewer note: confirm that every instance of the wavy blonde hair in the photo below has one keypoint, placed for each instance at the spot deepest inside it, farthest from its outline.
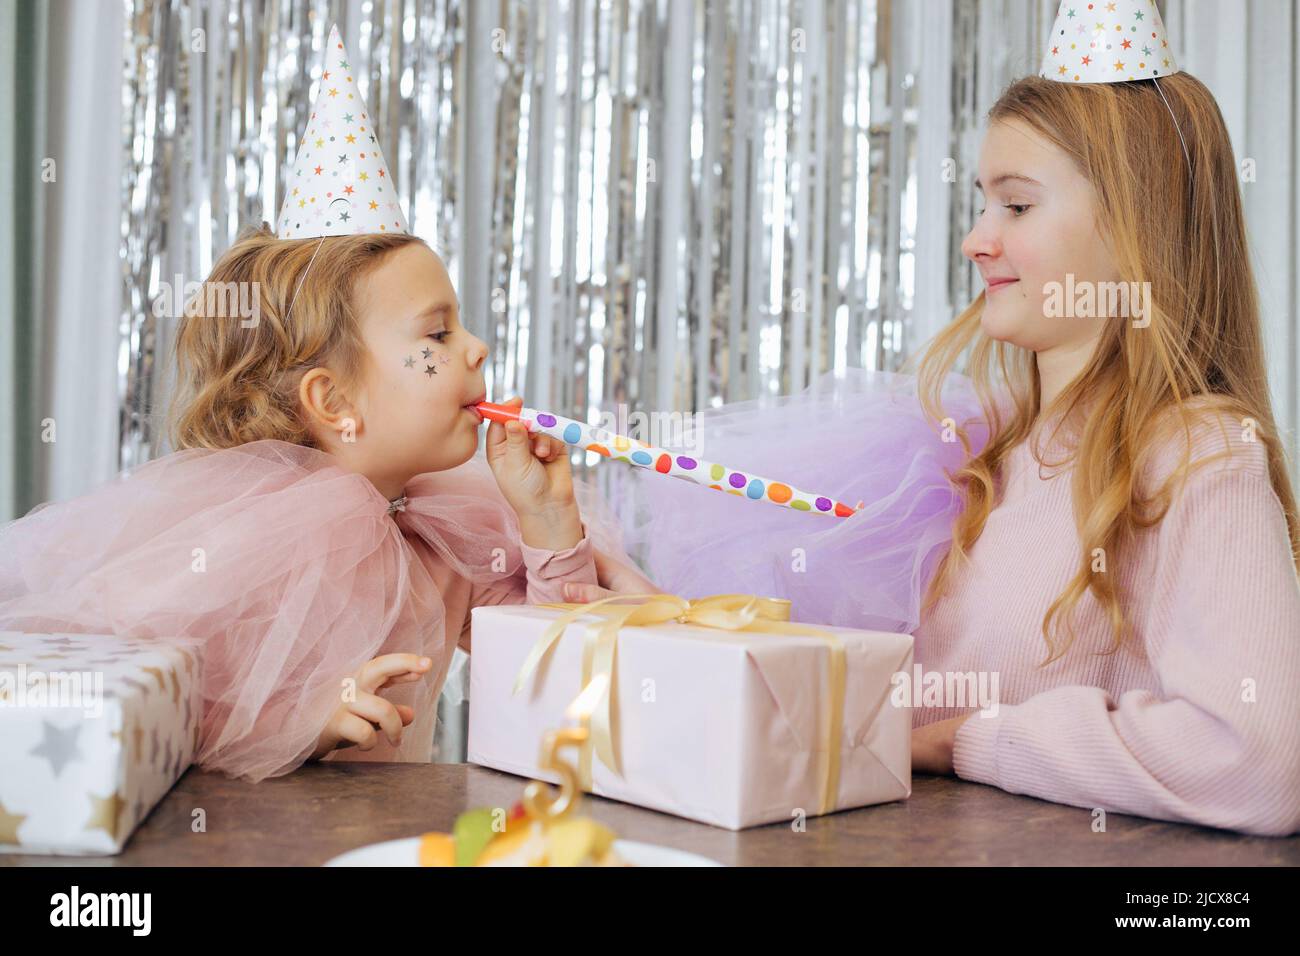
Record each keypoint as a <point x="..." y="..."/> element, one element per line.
<point x="1204" y="342"/>
<point x="239" y="384"/>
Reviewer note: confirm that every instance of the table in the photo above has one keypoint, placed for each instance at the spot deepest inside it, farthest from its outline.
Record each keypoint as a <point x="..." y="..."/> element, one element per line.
<point x="324" y="809"/>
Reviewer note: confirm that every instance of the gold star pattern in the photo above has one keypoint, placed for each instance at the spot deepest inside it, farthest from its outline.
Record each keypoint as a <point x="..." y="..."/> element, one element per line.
<point x="104" y="812"/>
<point x="9" y="824"/>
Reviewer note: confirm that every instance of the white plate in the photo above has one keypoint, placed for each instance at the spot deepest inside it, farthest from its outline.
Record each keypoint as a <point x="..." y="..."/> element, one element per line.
<point x="406" y="852"/>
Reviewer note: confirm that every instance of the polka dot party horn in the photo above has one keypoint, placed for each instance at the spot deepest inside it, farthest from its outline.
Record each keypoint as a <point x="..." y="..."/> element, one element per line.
<point x="638" y="453"/>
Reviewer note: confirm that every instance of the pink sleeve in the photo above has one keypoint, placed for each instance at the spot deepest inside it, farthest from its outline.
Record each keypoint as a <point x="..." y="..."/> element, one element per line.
<point x="544" y="575"/>
<point x="1219" y="743"/>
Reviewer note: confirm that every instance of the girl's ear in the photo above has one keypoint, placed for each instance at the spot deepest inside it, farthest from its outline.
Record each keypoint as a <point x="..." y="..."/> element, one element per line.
<point x="325" y="405"/>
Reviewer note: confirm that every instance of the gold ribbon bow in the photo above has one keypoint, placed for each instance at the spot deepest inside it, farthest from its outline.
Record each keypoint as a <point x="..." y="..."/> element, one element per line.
<point x="744" y="613"/>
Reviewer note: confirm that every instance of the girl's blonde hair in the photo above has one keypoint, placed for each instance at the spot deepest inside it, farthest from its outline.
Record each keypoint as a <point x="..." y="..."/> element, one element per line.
<point x="1187" y="238"/>
<point x="237" y="380"/>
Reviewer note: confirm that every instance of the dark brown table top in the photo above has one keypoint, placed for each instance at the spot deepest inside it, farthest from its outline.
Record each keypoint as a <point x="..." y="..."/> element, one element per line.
<point x="322" y="810"/>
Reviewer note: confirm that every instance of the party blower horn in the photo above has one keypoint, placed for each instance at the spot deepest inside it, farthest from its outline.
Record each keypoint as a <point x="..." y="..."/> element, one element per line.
<point x="665" y="462"/>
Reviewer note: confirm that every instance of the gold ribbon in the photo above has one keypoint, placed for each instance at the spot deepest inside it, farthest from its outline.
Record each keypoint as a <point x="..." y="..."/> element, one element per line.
<point x="737" y="613"/>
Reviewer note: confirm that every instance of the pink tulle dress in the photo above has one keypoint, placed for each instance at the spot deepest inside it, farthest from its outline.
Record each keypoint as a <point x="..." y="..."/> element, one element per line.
<point x="855" y="435"/>
<point x="292" y="572"/>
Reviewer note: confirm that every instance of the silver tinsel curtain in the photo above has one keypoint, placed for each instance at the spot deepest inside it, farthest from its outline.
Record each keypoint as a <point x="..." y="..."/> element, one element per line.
<point x="663" y="204"/>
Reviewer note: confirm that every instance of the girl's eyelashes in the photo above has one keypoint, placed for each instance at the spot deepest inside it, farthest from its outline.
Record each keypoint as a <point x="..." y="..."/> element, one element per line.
<point x="1018" y="209"/>
<point x="439" y="337"/>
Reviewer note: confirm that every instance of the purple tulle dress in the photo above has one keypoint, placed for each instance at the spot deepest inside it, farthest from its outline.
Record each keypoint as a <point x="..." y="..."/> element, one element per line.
<point x="857" y="435"/>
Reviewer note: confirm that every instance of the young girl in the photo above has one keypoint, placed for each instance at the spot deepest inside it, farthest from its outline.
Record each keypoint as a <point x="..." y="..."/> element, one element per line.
<point x="1134" y="506"/>
<point x="1125" y="547"/>
<point x="325" y="528"/>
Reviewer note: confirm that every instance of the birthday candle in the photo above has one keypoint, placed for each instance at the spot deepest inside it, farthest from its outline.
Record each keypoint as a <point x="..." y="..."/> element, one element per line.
<point x="665" y="462"/>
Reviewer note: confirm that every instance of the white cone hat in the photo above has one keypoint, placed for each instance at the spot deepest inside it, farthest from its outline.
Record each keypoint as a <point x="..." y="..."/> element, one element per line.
<point x="1112" y="41"/>
<point x="339" y="184"/>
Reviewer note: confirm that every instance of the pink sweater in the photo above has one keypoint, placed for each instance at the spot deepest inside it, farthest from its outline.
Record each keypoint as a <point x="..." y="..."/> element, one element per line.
<point x="1197" y="717"/>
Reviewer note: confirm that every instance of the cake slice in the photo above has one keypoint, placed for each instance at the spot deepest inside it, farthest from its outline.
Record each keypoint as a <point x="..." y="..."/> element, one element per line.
<point x="524" y="841"/>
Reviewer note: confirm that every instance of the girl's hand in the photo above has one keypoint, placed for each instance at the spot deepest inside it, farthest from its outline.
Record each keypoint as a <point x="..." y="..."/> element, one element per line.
<point x="534" y="475"/>
<point x="532" y="469"/>
<point x="355" y="722"/>
<point x="932" y="746"/>
<point x="615" y="577"/>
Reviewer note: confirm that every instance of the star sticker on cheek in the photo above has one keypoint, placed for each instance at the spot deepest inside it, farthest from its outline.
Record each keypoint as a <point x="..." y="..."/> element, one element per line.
<point x="427" y="352"/>
<point x="443" y="360"/>
<point x="430" y="370"/>
<point x="409" y="363"/>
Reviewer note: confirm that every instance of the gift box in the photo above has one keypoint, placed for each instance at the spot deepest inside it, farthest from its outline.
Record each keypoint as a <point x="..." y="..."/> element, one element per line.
<point x="94" y="730"/>
<point x="729" y="726"/>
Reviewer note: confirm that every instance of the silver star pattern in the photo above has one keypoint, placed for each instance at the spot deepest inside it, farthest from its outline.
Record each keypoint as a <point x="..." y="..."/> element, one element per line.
<point x="58" y="746"/>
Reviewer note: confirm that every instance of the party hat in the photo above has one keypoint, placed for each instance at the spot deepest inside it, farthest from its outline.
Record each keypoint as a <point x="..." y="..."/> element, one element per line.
<point x="1107" y="42"/>
<point x="340" y="184"/>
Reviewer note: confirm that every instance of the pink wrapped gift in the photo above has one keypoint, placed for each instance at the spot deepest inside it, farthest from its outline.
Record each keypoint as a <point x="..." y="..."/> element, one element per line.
<point x="728" y="727"/>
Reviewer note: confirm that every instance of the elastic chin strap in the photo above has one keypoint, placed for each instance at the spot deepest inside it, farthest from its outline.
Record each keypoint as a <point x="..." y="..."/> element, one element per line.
<point x="304" y="277"/>
<point x="1186" y="155"/>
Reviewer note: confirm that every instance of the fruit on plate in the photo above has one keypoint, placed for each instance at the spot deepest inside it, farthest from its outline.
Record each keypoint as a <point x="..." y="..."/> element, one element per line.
<point x="522" y="841"/>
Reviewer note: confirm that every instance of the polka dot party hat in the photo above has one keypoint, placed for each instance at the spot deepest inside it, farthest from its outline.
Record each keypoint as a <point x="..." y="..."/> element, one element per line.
<point x="1107" y="42"/>
<point x="340" y="184"/>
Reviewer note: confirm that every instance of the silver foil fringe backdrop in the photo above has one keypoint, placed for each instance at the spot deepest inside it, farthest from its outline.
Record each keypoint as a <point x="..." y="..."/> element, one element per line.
<point x="662" y="205"/>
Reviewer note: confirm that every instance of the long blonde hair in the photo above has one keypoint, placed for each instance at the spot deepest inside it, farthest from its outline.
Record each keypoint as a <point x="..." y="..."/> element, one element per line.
<point x="237" y="381"/>
<point x="1187" y="238"/>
